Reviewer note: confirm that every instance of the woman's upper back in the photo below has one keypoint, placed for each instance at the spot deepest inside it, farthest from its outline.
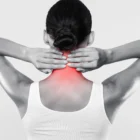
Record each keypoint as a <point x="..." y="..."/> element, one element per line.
<point x="69" y="98"/>
<point x="65" y="98"/>
<point x="86" y="122"/>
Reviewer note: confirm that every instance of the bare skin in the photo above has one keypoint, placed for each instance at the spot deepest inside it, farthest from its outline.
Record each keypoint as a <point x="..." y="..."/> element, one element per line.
<point x="70" y="90"/>
<point x="66" y="101"/>
<point x="115" y="87"/>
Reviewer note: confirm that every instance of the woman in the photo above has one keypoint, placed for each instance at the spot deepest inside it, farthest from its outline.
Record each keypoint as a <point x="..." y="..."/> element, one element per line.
<point x="66" y="105"/>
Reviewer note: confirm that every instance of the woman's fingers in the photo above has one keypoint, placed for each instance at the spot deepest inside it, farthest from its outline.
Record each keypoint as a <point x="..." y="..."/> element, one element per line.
<point x="51" y="55"/>
<point x="84" y="64"/>
<point x="83" y="50"/>
<point x="81" y="70"/>
<point x="51" y="51"/>
<point x="81" y="59"/>
<point x="86" y="58"/>
<point x="79" y="54"/>
<point x="43" y="58"/>
<point x="49" y="66"/>
<point x="51" y="61"/>
<point x="91" y="54"/>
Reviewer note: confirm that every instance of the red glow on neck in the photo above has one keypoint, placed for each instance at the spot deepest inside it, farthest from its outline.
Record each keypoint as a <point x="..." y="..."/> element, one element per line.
<point x="68" y="73"/>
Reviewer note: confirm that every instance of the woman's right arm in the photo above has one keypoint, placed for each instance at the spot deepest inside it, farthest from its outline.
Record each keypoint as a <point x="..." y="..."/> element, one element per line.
<point x="14" y="82"/>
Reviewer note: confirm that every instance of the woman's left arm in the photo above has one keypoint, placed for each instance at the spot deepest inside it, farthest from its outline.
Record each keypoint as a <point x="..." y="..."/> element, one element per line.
<point x="122" y="83"/>
<point x="120" y="86"/>
<point x="90" y="58"/>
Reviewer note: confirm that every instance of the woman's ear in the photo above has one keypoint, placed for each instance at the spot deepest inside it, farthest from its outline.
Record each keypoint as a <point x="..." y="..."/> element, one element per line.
<point x="45" y="37"/>
<point x="91" y="38"/>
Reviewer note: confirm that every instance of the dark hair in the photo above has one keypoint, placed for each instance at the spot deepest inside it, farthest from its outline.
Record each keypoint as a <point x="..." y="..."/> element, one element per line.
<point x="68" y="23"/>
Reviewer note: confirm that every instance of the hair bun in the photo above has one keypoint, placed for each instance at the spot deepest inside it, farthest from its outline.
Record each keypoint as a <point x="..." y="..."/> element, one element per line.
<point x="65" y="39"/>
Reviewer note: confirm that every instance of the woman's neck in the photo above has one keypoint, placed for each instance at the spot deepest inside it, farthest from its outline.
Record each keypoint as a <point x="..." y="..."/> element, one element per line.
<point x="67" y="75"/>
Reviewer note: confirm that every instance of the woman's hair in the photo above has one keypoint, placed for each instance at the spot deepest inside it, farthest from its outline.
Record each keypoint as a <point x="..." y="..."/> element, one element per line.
<point x="68" y="23"/>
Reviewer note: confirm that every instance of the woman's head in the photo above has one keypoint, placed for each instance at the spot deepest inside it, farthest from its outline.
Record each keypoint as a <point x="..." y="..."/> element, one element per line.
<point x="68" y="25"/>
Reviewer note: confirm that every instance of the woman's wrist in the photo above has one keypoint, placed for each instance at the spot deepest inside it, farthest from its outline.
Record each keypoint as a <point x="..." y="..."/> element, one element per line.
<point x="108" y="56"/>
<point x="123" y="52"/>
<point x="15" y="50"/>
<point x="26" y="53"/>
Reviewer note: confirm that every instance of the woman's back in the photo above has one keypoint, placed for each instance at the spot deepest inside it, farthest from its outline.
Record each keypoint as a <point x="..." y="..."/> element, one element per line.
<point x="84" y="118"/>
<point x="65" y="98"/>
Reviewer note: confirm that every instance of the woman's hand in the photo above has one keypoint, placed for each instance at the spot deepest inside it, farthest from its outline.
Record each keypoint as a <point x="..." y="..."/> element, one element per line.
<point x="46" y="60"/>
<point x="87" y="59"/>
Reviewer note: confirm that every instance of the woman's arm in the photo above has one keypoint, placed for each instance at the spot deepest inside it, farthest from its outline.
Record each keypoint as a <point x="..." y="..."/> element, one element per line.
<point x="90" y="58"/>
<point x="125" y="80"/>
<point x="123" y="52"/>
<point x="120" y="86"/>
<point x="12" y="49"/>
<point x="121" y="82"/>
<point x="14" y="82"/>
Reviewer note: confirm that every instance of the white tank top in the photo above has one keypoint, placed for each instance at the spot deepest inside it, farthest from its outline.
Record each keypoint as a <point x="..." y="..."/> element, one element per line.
<point x="89" y="123"/>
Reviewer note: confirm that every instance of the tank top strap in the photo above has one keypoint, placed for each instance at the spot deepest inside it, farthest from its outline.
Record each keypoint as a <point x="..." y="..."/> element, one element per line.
<point x="33" y="98"/>
<point x="33" y="101"/>
<point x="100" y="101"/>
<point x="93" y="95"/>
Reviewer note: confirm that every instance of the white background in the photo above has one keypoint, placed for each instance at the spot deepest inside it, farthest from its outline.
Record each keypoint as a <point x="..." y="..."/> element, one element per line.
<point x="115" y="22"/>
